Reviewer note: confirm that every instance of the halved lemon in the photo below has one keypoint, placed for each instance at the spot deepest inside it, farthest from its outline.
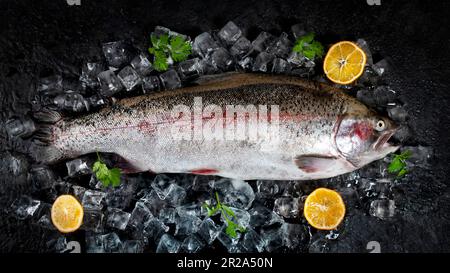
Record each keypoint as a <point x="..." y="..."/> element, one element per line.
<point x="324" y="209"/>
<point x="344" y="62"/>
<point x="67" y="213"/>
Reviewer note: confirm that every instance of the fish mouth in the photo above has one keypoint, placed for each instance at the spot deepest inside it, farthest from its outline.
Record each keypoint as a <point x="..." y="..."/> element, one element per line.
<point x="382" y="141"/>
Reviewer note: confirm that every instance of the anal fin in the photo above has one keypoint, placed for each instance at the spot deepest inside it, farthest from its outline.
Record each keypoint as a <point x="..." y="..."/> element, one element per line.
<point x="315" y="163"/>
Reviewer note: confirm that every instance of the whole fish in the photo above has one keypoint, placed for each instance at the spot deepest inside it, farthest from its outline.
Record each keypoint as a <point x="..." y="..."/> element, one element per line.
<point x="241" y="126"/>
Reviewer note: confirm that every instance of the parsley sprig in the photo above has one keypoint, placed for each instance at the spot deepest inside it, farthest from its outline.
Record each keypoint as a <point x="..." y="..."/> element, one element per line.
<point x="229" y="216"/>
<point x="104" y="174"/>
<point x="165" y="47"/>
<point x="308" y="47"/>
<point x="398" y="164"/>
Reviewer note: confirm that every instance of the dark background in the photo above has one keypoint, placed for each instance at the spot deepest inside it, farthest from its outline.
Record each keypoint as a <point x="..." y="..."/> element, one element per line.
<point x="40" y="38"/>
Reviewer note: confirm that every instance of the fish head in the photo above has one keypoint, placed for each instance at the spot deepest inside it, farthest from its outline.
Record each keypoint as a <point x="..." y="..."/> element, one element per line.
<point x="363" y="137"/>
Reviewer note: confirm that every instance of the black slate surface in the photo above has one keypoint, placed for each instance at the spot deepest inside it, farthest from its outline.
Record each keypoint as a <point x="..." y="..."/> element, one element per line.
<point x="39" y="38"/>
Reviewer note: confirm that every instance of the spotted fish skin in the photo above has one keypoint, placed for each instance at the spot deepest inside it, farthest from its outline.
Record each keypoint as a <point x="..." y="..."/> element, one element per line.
<point x="141" y="130"/>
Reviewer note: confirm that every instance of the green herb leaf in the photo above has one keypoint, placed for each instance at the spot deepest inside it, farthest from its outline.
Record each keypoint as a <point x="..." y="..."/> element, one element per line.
<point x="228" y="214"/>
<point x="105" y="175"/>
<point x="160" y="61"/>
<point x="398" y="164"/>
<point x="165" y="47"/>
<point x="231" y="229"/>
<point x="179" y="48"/>
<point x="308" y="47"/>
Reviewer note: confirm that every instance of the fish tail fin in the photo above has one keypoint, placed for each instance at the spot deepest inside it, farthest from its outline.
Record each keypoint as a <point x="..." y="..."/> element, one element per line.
<point x="42" y="148"/>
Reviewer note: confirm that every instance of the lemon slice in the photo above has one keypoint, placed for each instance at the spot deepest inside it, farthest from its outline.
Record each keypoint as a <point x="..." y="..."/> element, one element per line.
<point x="344" y="62"/>
<point x="67" y="213"/>
<point x="324" y="209"/>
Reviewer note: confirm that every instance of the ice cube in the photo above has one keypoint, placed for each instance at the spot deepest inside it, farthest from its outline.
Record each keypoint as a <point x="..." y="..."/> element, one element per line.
<point x="160" y="30"/>
<point x="186" y="225"/>
<point x="204" y="45"/>
<point x="319" y="246"/>
<point x="167" y="190"/>
<point x="398" y="114"/>
<point x="381" y="96"/>
<point x="296" y="59"/>
<point x="78" y="191"/>
<point x="132" y="246"/>
<point x="121" y="196"/>
<point x="154" y="202"/>
<point x="241" y="48"/>
<point x="94" y="183"/>
<point x="369" y="77"/>
<point x="402" y="134"/>
<point x="25" y="207"/>
<point x="96" y="101"/>
<point x="230" y="33"/>
<point x="110" y="83"/>
<point x="295" y="235"/>
<point x="93" y="220"/>
<point x="23" y="127"/>
<point x="207" y="67"/>
<point x="246" y="63"/>
<point x="298" y="30"/>
<point x="263" y="41"/>
<point x="382" y="67"/>
<point x="365" y="47"/>
<point x="234" y="193"/>
<point x="201" y="182"/>
<point x="154" y="228"/>
<point x="262" y="216"/>
<point x="89" y="73"/>
<point x="42" y="177"/>
<point x="140" y="215"/>
<point x="384" y="96"/>
<point x="263" y="62"/>
<point x="221" y="59"/>
<point x="94" y="243"/>
<point x="51" y="85"/>
<point x="268" y="187"/>
<point x="272" y="237"/>
<point x="420" y="155"/>
<point x="168" y="244"/>
<point x="112" y="243"/>
<point x="168" y="215"/>
<point x="93" y="199"/>
<point x="287" y="207"/>
<point x="192" y="244"/>
<point x="209" y="231"/>
<point x="45" y="220"/>
<point x="227" y="241"/>
<point x="129" y="78"/>
<point x="193" y="209"/>
<point x="170" y="79"/>
<point x="281" y="47"/>
<point x="241" y="217"/>
<point x="280" y="66"/>
<point x="77" y="167"/>
<point x="71" y="101"/>
<point x="117" y="218"/>
<point x="382" y="209"/>
<point x="117" y="53"/>
<point x="150" y="84"/>
<point x="189" y="69"/>
<point x="142" y="65"/>
<point x="252" y="242"/>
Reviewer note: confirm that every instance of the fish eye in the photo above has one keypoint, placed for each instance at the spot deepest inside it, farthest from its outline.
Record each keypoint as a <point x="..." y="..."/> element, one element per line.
<point x="380" y="125"/>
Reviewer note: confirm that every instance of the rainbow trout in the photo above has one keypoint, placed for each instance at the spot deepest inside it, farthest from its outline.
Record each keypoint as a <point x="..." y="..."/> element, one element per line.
<point x="241" y="126"/>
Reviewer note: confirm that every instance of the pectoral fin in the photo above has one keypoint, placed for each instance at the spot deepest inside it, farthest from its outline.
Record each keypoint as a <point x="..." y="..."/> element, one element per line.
<point x="315" y="163"/>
